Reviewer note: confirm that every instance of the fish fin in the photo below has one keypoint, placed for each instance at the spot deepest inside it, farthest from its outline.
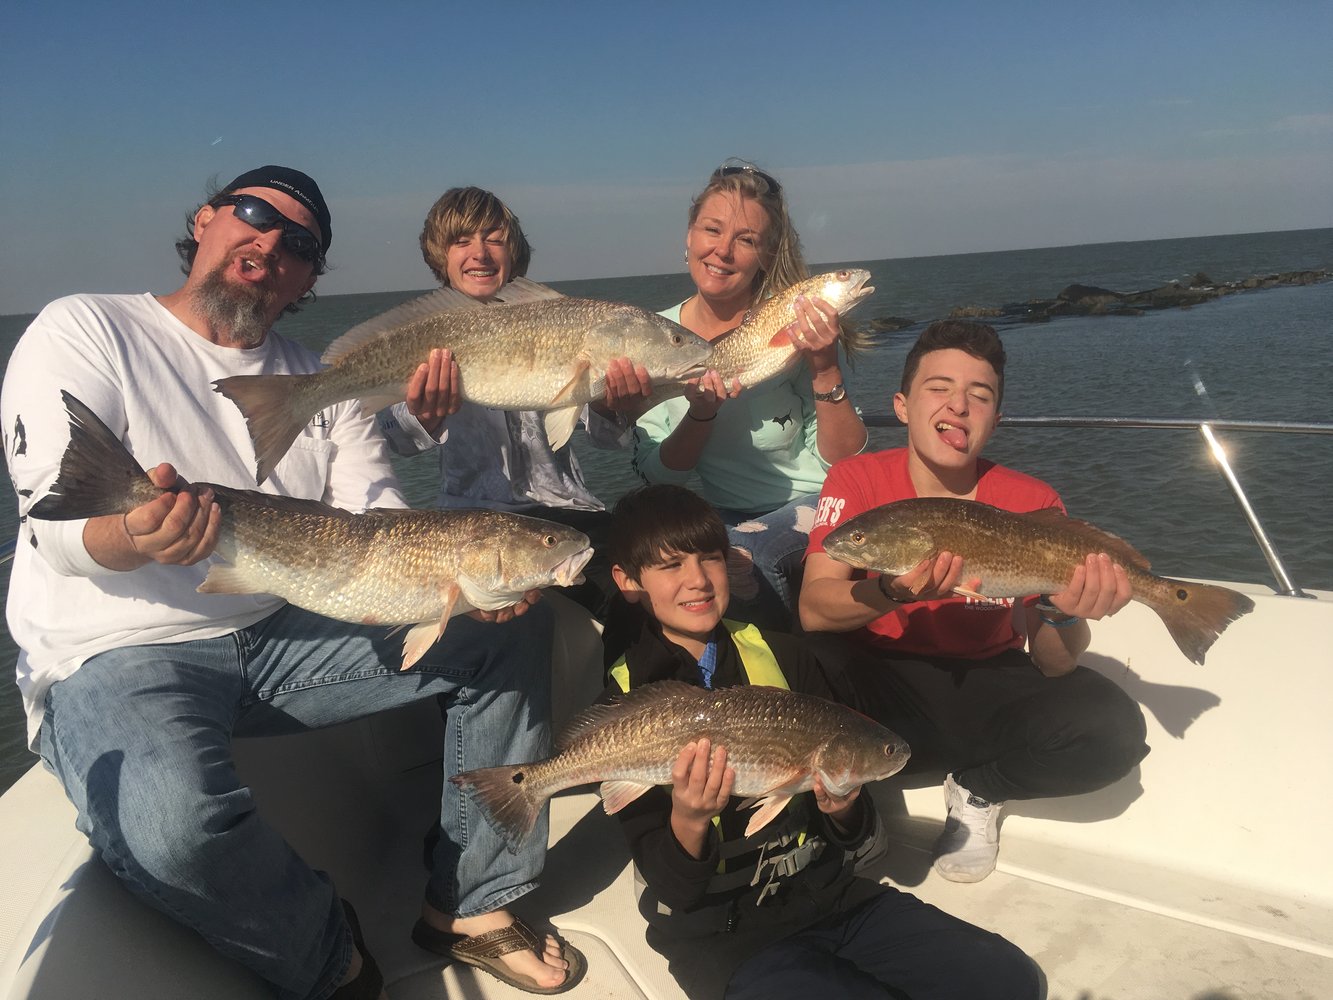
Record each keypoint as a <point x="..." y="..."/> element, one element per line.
<point x="567" y="390"/>
<point x="511" y="803"/>
<point x="430" y="304"/>
<point x="769" y="807"/>
<point x="1195" y="614"/>
<point x="616" y="795"/>
<point x="273" y="412"/>
<point x="98" y="475"/>
<point x="523" y="290"/>
<point x="1094" y="538"/>
<point x="224" y="579"/>
<point x="419" y="639"/>
<point x="782" y="339"/>
<point x="560" y="425"/>
<point x="372" y="403"/>
<point x="659" y="692"/>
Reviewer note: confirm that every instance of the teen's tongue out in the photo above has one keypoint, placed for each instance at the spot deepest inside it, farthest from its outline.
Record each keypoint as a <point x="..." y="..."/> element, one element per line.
<point x="954" y="437"/>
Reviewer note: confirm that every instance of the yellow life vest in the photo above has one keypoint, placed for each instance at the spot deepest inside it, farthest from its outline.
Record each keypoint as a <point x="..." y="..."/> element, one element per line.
<point x="761" y="666"/>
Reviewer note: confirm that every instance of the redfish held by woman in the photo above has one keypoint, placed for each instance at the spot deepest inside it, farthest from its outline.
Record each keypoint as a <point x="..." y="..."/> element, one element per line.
<point x="1017" y="555"/>
<point x="530" y="349"/>
<point x="760" y="348"/>
<point x="777" y="741"/>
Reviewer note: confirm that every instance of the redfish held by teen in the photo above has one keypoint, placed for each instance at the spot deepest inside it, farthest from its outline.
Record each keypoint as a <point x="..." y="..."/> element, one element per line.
<point x="1017" y="555"/>
<point x="416" y="568"/>
<point x="530" y="349"/>
<point x="777" y="741"/>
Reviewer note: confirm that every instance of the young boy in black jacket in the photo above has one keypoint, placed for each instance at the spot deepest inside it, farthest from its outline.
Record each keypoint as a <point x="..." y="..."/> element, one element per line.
<point x="780" y="914"/>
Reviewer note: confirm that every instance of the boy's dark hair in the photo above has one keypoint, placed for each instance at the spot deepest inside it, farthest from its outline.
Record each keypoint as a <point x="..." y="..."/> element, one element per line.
<point x="977" y="339"/>
<point x="662" y="518"/>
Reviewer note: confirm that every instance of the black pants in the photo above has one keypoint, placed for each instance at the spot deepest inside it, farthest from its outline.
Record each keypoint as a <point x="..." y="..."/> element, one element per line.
<point x="1003" y="728"/>
<point x="894" y="945"/>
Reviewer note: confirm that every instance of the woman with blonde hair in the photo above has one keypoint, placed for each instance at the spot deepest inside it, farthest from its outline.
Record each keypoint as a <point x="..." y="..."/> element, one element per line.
<point x="760" y="455"/>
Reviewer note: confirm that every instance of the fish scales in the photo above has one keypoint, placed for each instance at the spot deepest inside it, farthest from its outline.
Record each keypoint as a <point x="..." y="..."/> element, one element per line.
<point x="753" y="352"/>
<point x="533" y="349"/>
<point x="776" y="741"/>
<point x="389" y="567"/>
<point x="1020" y="554"/>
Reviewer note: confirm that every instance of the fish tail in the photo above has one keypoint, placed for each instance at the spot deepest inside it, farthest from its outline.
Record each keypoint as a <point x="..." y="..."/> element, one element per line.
<point x="275" y="412"/>
<point x="1197" y="613"/>
<point x="98" y="475"/>
<point x="509" y="798"/>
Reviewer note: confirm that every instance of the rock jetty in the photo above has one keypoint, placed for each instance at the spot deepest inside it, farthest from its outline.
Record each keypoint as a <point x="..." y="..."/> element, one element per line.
<point x="1089" y="300"/>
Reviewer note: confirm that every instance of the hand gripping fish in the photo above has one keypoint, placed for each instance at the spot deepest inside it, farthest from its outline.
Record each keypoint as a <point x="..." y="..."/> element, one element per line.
<point x="381" y="567"/>
<point x="776" y="741"/>
<point x="530" y="349"/>
<point x="1016" y="555"/>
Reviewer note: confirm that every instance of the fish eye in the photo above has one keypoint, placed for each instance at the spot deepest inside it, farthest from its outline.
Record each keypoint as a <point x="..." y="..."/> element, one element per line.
<point x="677" y="340"/>
<point x="843" y="275"/>
<point x="549" y="541"/>
<point x="858" y="537"/>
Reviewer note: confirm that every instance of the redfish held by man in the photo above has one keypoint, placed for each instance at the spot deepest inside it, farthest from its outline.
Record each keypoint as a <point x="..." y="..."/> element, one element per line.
<point x="416" y="568"/>
<point x="1017" y="555"/>
<point x="776" y="740"/>
<point x="530" y="349"/>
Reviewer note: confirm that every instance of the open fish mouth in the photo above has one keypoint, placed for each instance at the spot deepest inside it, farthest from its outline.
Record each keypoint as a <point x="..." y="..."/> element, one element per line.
<point x="569" y="570"/>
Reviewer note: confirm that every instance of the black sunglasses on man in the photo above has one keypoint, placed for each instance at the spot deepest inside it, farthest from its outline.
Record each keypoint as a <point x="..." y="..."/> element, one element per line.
<point x="259" y="214"/>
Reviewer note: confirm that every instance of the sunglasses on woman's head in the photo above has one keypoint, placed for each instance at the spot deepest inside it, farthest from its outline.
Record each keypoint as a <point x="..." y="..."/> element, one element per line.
<point x="729" y="168"/>
<point x="259" y="214"/>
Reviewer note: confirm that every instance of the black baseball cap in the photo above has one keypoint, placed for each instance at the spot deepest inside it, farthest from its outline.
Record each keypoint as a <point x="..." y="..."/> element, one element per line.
<point x="291" y="182"/>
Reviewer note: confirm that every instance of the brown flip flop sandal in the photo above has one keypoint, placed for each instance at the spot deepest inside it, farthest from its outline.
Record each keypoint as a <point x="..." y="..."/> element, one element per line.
<point x="484" y="951"/>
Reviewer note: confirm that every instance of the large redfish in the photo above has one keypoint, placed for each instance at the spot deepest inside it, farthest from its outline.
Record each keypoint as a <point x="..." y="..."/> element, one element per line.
<point x="382" y="567"/>
<point x="1016" y="555"/>
<point x="530" y="349"/>
<point x="776" y="740"/>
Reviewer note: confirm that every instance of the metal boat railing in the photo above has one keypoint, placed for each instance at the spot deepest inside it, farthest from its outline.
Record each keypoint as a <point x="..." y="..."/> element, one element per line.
<point x="1207" y="429"/>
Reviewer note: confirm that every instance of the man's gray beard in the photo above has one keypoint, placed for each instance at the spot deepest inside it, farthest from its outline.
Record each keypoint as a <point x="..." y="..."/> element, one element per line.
<point x="241" y="312"/>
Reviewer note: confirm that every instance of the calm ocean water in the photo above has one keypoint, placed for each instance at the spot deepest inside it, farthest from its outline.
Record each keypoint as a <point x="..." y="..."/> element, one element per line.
<point x="1261" y="355"/>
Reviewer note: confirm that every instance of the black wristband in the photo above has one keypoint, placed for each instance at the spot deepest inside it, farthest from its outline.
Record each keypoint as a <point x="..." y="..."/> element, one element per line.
<point x="700" y="420"/>
<point x="879" y="582"/>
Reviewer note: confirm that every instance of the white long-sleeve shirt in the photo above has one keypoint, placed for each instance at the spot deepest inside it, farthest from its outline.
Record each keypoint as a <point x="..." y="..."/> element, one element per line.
<point x="149" y="378"/>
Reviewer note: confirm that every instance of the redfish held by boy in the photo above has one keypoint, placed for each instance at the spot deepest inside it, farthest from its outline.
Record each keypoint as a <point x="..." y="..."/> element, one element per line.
<point x="776" y="740"/>
<point x="530" y="349"/>
<point x="760" y="349"/>
<point x="1016" y="555"/>
<point x="416" y="568"/>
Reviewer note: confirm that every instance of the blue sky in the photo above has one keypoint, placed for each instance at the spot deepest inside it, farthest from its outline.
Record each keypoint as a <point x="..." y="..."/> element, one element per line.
<point x="897" y="129"/>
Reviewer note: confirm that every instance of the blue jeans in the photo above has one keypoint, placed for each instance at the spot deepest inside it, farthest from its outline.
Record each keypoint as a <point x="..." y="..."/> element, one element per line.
<point x="766" y="592"/>
<point x="141" y="739"/>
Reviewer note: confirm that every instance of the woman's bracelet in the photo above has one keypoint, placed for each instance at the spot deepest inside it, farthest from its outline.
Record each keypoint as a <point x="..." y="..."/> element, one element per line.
<point x="700" y="420"/>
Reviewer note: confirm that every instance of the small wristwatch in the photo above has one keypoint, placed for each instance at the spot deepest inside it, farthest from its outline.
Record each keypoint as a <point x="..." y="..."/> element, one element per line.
<point x="835" y="395"/>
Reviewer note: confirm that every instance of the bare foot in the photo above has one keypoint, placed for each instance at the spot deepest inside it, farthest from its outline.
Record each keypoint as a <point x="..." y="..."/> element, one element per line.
<point x="547" y="970"/>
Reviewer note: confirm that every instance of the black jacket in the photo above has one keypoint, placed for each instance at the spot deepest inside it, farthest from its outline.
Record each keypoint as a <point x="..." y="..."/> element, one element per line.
<point x="706" y="934"/>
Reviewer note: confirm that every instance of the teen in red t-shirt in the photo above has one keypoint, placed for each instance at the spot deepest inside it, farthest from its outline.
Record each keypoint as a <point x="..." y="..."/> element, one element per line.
<point x="993" y="694"/>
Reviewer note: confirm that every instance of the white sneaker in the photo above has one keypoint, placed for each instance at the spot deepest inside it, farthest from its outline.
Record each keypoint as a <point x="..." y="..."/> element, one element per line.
<point x="966" y="850"/>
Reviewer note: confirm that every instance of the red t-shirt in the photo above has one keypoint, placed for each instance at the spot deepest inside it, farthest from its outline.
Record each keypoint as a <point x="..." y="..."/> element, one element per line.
<point x="958" y="626"/>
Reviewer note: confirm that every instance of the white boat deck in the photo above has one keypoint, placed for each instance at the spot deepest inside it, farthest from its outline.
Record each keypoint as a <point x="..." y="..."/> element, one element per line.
<point x="1204" y="875"/>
